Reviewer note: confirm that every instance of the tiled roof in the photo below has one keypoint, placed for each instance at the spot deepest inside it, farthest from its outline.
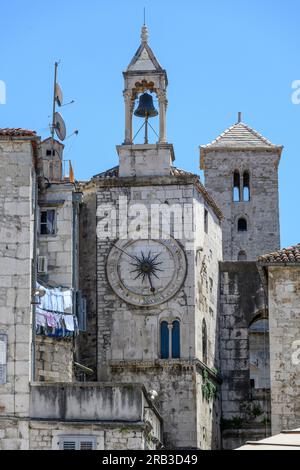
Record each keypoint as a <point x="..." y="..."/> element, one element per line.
<point x="285" y="256"/>
<point x="240" y="135"/>
<point x="114" y="173"/>
<point x="18" y="132"/>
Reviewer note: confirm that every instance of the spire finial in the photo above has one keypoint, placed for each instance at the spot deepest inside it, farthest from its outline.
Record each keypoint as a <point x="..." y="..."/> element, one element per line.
<point x="144" y="33"/>
<point x="239" y="116"/>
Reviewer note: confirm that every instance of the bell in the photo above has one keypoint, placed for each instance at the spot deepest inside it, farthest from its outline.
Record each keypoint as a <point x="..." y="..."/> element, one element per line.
<point x="145" y="108"/>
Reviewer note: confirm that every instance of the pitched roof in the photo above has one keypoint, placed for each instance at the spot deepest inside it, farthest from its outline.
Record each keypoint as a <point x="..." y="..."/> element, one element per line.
<point x="16" y="132"/>
<point x="144" y="59"/>
<point x="286" y="440"/>
<point x="114" y="173"/>
<point x="239" y="136"/>
<point x="289" y="255"/>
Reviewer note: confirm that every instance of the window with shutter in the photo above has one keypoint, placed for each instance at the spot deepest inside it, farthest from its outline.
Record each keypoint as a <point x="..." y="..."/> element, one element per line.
<point x="3" y="357"/>
<point x="86" y="445"/>
<point x="77" y="443"/>
<point x="69" y="445"/>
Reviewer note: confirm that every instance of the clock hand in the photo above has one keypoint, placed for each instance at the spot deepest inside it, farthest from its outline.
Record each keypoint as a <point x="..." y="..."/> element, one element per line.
<point x="152" y="289"/>
<point x="130" y="256"/>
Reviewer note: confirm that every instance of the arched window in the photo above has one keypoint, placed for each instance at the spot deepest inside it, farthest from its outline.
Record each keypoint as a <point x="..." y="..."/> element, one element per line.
<point x="242" y="256"/>
<point x="204" y="342"/>
<point x="170" y="339"/>
<point x="175" y="339"/>
<point x="246" y="186"/>
<point x="164" y="340"/>
<point x="242" y="225"/>
<point x="236" y="186"/>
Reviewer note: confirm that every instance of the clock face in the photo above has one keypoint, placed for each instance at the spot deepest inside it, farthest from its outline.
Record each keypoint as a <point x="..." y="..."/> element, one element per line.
<point x="146" y="272"/>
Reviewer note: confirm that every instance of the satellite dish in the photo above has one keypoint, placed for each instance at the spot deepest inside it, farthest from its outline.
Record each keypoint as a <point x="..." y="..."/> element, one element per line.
<point x="58" y="95"/>
<point x="59" y="126"/>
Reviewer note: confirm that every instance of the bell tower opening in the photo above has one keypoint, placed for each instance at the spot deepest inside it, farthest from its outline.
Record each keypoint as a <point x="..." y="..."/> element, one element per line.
<point x="145" y="98"/>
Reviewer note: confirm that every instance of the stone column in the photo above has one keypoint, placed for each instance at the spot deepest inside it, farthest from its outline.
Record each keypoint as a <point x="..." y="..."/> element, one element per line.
<point x="162" y="100"/>
<point x="128" y="116"/>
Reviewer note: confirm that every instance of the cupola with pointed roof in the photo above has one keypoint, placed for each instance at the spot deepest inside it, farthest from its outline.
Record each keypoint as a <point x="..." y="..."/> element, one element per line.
<point x="145" y="76"/>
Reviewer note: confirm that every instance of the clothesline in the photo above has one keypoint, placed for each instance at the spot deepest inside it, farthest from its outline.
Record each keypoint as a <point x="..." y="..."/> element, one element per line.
<point x="52" y="317"/>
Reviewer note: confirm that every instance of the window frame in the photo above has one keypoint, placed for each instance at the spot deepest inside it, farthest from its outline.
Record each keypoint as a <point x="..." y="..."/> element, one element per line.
<point x="46" y="210"/>
<point x="169" y="339"/>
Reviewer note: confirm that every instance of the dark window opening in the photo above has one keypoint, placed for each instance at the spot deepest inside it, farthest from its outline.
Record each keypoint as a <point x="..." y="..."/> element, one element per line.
<point x="242" y="256"/>
<point x="164" y="340"/>
<point x="206" y="220"/>
<point x="175" y="339"/>
<point x="236" y="186"/>
<point x="204" y="342"/>
<point x="47" y="222"/>
<point x="242" y="225"/>
<point x="246" y="186"/>
<point x="50" y="152"/>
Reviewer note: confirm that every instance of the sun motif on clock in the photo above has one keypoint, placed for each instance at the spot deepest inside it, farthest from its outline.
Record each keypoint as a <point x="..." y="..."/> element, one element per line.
<point x="146" y="272"/>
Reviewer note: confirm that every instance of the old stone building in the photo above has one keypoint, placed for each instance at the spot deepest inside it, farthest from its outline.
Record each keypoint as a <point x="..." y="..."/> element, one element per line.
<point x="134" y="310"/>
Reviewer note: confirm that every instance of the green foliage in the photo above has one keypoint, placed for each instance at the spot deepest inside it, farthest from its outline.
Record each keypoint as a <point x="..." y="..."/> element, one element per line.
<point x="233" y="423"/>
<point x="209" y="389"/>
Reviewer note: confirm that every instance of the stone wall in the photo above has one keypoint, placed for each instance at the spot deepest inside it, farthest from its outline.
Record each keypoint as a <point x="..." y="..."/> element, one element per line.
<point x="244" y="410"/>
<point x="54" y="359"/>
<point x="284" y="312"/>
<point x="47" y="435"/>
<point x="17" y="180"/>
<point x="87" y="342"/>
<point x="262" y="210"/>
<point x="58" y="248"/>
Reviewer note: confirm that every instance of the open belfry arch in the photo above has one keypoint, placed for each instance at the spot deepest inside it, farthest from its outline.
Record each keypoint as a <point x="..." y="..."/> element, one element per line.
<point x="144" y="73"/>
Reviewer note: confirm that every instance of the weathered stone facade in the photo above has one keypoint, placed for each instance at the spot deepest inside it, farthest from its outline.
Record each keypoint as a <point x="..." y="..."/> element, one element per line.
<point x="245" y="406"/>
<point x="54" y="359"/>
<point x="284" y="314"/>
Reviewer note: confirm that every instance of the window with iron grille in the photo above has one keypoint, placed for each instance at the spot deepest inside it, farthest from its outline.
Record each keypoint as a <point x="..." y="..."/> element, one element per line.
<point x="77" y="443"/>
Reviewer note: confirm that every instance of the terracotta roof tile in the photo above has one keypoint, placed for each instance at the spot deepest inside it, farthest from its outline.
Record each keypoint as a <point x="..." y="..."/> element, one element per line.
<point x="16" y="132"/>
<point x="286" y="255"/>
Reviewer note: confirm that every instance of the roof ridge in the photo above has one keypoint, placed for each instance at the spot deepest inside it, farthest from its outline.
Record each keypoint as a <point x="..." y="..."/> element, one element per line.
<point x="241" y="138"/>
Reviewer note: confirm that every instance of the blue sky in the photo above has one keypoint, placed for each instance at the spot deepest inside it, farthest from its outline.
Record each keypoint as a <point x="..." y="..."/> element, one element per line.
<point x="222" y="56"/>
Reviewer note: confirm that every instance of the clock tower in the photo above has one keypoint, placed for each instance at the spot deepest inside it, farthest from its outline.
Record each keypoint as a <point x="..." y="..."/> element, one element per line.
<point x="151" y="273"/>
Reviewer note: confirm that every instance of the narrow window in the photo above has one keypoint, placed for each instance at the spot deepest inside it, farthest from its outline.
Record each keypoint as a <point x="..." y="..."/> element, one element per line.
<point x="175" y="339"/>
<point x="246" y="186"/>
<point x="3" y="358"/>
<point x="242" y="225"/>
<point x="204" y="342"/>
<point x="242" y="256"/>
<point x="211" y="285"/>
<point x="47" y="222"/>
<point x="205" y="220"/>
<point x="164" y="340"/>
<point x="236" y="186"/>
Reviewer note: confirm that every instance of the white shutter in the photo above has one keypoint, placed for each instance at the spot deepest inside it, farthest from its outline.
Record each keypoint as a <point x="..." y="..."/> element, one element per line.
<point x="86" y="445"/>
<point x="42" y="265"/>
<point x="69" y="445"/>
<point x="77" y="443"/>
<point x="3" y="357"/>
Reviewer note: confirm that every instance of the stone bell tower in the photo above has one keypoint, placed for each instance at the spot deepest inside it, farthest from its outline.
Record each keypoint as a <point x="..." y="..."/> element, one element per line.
<point x="241" y="173"/>
<point x="145" y="74"/>
<point x="156" y="272"/>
